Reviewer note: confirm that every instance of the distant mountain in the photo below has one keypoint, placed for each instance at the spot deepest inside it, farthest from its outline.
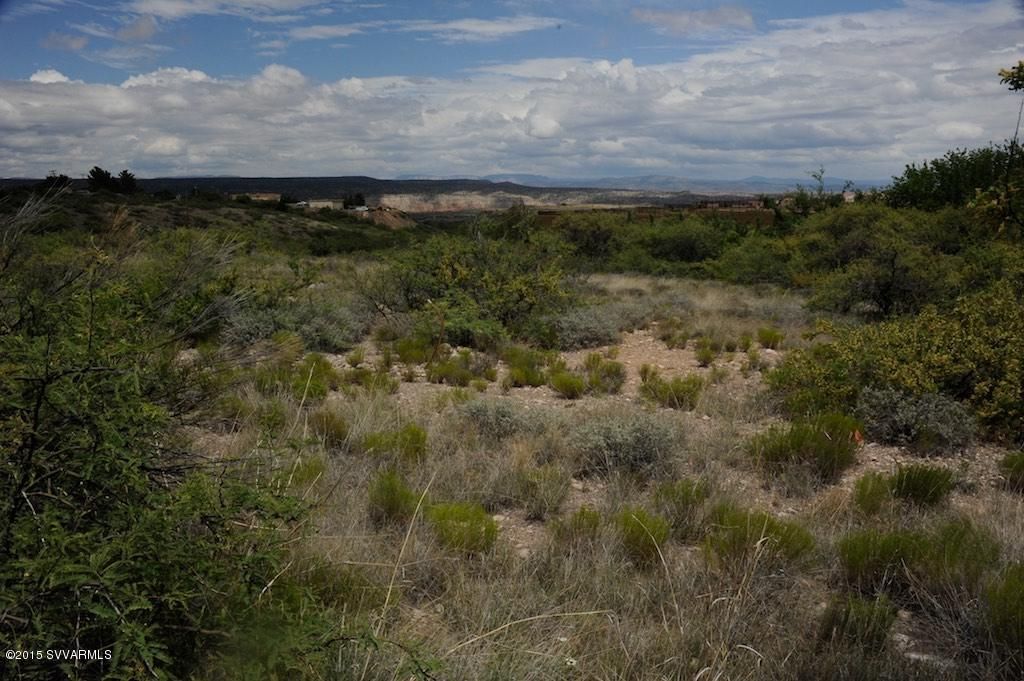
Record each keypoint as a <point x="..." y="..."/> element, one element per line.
<point x="671" y="183"/>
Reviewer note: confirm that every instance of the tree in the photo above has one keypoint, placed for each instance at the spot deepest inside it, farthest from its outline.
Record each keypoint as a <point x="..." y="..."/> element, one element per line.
<point x="101" y="180"/>
<point x="126" y="182"/>
<point x="1013" y="77"/>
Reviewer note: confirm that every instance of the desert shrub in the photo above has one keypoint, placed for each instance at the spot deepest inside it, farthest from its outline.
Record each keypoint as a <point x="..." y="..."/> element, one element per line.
<point x="604" y="376"/>
<point x="641" y="535"/>
<point x="525" y="366"/>
<point x="414" y="349"/>
<point x="735" y="534"/>
<point x="930" y="424"/>
<point x="673" y="332"/>
<point x="827" y="444"/>
<point x="1012" y="467"/>
<point x="464" y="527"/>
<point x="745" y="342"/>
<point x="951" y="557"/>
<point x="871" y="492"/>
<point x="330" y="426"/>
<point x="1003" y="614"/>
<point x="705" y="355"/>
<point x="374" y="380"/>
<point x="861" y="622"/>
<point x="583" y="327"/>
<point x="871" y="559"/>
<point x="356" y="357"/>
<point x="567" y="384"/>
<point x="462" y="368"/>
<point x="922" y="484"/>
<point x="541" y="490"/>
<point x="676" y="393"/>
<point x="581" y="527"/>
<point x="409" y="442"/>
<point x="632" y="441"/>
<point x="753" y="362"/>
<point x="770" y="337"/>
<point x="680" y="502"/>
<point x="390" y="499"/>
<point x="497" y="420"/>
<point x="968" y="354"/>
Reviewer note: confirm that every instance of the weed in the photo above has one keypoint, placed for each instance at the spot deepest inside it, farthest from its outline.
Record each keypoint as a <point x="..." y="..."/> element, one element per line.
<point x="604" y="376"/>
<point x="634" y="442"/>
<point x="409" y="442"/>
<point x="680" y="502"/>
<point x="390" y="499"/>
<point x="641" y="534"/>
<point x="676" y="393"/>
<point x="330" y="426"/>
<point x="497" y="420"/>
<point x="567" y="384"/>
<point x="581" y="527"/>
<point x="770" y="337"/>
<point x="922" y="484"/>
<point x="928" y="424"/>
<point x="736" y="533"/>
<point x="861" y="622"/>
<point x="827" y="444"/>
<point x="871" y="558"/>
<point x="464" y="527"/>
<point x="1012" y="466"/>
<point x="871" y="492"/>
<point x="542" y="490"/>
<point x="1004" y="613"/>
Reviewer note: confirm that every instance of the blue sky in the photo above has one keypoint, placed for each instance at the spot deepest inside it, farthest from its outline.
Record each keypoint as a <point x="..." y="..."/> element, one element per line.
<point x="570" y="88"/>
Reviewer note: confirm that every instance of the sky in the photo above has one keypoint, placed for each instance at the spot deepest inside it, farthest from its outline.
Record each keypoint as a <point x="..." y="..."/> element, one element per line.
<point x="567" y="88"/>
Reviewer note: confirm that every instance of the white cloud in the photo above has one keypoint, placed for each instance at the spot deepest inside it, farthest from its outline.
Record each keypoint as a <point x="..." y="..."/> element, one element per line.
<point x="139" y="29"/>
<point x="181" y="9"/>
<point x="861" y="93"/>
<point x="724" y="18"/>
<point x="48" y="76"/>
<point x="324" y="32"/>
<point x="63" y="41"/>
<point x="480" y="30"/>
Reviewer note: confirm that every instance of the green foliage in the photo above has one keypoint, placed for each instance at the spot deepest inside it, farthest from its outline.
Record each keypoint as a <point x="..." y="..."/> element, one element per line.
<point x="604" y="376"/>
<point x="922" y="484"/>
<point x="464" y="527"/>
<point x="414" y="349"/>
<point x="968" y="354"/>
<point x="526" y="367"/>
<point x="770" y="337"/>
<point x="1012" y="467"/>
<point x="929" y="424"/>
<point x="680" y="502"/>
<point x="859" y="621"/>
<point x="641" y="535"/>
<point x="581" y="527"/>
<point x="1004" y="614"/>
<point x="567" y="384"/>
<point x="673" y="332"/>
<point x="756" y="259"/>
<point x="541" y="490"/>
<point x="953" y="180"/>
<point x="871" y="492"/>
<point x="678" y="392"/>
<point x="827" y="444"/>
<point x="329" y="425"/>
<point x="705" y="354"/>
<point x="497" y="420"/>
<point x="951" y="557"/>
<point x="632" y="441"/>
<point x="461" y="369"/>
<point x="112" y="534"/>
<point x="736" y="534"/>
<point x="409" y="442"/>
<point x="390" y="499"/>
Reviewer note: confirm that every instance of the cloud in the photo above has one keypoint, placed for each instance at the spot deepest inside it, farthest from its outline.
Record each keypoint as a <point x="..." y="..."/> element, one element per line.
<point x="182" y="9"/>
<point x="47" y="76"/>
<point x="63" y="41"/>
<point x="726" y="18"/>
<point x="324" y="32"/>
<point x="479" y="30"/>
<point x="140" y="29"/>
<point x="861" y="93"/>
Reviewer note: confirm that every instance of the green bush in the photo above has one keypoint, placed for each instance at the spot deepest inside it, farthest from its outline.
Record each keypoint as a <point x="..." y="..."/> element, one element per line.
<point x="968" y="354"/>
<point x="871" y="492"/>
<point x="859" y="621"/>
<point x="461" y="369"/>
<point x="872" y="559"/>
<point x="673" y="332"/>
<point x="1004" y="614"/>
<point x="827" y="444"/>
<point x="581" y="527"/>
<point x="542" y="490"/>
<point x="464" y="527"/>
<point x="391" y="500"/>
<point x="770" y="337"/>
<point x="922" y="484"/>
<point x="604" y="376"/>
<point x="705" y="355"/>
<point x="735" y="534"/>
<point x="409" y="442"/>
<point x="414" y="349"/>
<point x="929" y="424"/>
<point x="675" y="393"/>
<point x="634" y="441"/>
<point x="567" y="384"/>
<point x="329" y="425"/>
<point x="680" y="502"/>
<point x="498" y="419"/>
<point x="1012" y="467"/>
<point x="525" y="366"/>
<point x="641" y="534"/>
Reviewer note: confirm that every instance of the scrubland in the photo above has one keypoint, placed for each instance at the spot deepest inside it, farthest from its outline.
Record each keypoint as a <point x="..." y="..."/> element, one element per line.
<point x="239" y="444"/>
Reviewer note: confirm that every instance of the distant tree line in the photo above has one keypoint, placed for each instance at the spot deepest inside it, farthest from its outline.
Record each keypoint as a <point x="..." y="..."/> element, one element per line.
<point x="102" y="180"/>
